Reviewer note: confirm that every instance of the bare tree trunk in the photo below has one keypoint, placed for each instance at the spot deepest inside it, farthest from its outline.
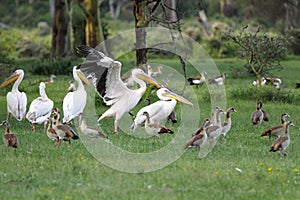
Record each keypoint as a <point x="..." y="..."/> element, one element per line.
<point x="59" y="29"/>
<point x="172" y="14"/>
<point x="292" y="14"/>
<point x="111" y="8"/>
<point x="69" y="43"/>
<point x="222" y="7"/>
<point x="140" y="33"/>
<point x="101" y="36"/>
<point x="118" y="9"/>
<point x="204" y="22"/>
<point x="52" y="8"/>
<point x="115" y="12"/>
<point x="91" y="27"/>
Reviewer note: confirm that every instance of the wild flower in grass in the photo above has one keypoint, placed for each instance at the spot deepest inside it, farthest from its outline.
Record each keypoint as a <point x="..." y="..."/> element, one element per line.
<point x="270" y="169"/>
<point x="67" y="197"/>
<point x="217" y="173"/>
<point x="81" y="158"/>
<point x="47" y="190"/>
<point x="261" y="163"/>
<point x="295" y="170"/>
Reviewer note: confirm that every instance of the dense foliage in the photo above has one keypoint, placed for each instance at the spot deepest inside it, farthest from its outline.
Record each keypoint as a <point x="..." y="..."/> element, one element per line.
<point x="262" y="52"/>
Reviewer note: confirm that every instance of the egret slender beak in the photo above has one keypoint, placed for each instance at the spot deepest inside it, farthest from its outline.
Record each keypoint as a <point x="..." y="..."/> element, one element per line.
<point x="83" y="78"/>
<point x="177" y="97"/>
<point x="10" y="79"/>
<point x="149" y="79"/>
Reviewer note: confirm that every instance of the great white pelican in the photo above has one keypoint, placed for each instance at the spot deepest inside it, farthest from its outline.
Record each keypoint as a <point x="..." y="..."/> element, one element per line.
<point x="74" y="102"/>
<point x="109" y="84"/>
<point x="40" y="108"/>
<point x="160" y="110"/>
<point x="16" y="100"/>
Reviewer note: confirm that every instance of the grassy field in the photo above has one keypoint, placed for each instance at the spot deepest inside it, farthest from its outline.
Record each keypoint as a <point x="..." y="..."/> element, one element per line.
<point x="242" y="168"/>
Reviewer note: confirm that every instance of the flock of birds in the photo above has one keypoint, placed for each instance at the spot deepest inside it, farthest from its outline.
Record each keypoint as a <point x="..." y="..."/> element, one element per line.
<point x="103" y="73"/>
<point x="280" y="131"/>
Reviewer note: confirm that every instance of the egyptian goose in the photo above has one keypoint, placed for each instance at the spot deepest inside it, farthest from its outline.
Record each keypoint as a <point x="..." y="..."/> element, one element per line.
<point x="71" y="87"/>
<point x="89" y="131"/>
<point x="214" y="114"/>
<point x="227" y="124"/>
<point x="259" y="115"/>
<point x="275" y="81"/>
<point x="277" y="131"/>
<point x="262" y="81"/>
<point x="154" y="128"/>
<point x="283" y="142"/>
<point x="199" y="137"/>
<point x="218" y="80"/>
<point x="63" y="131"/>
<point x="173" y="117"/>
<point x="51" y="133"/>
<point x="10" y="139"/>
<point x="153" y="73"/>
<point x="214" y="131"/>
<point x="51" y="80"/>
<point x="197" y="80"/>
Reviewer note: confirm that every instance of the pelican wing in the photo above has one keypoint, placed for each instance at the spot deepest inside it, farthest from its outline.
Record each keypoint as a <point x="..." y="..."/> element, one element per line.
<point x="114" y="86"/>
<point x="17" y="104"/>
<point x="73" y="104"/>
<point x="39" y="108"/>
<point x="12" y="103"/>
<point x="106" y="72"/>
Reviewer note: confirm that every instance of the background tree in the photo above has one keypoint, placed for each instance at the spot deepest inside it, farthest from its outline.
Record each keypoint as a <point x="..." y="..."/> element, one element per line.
<point x="158" y="12"/>
<point x="93" y="26"/>
<point x="115" y="10"/>
<point x="59" y="29"/>
<point x="262" y="52"/>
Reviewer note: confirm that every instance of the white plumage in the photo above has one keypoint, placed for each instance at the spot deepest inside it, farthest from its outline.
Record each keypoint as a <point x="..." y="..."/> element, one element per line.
<point x="74" y="102"/>
<point x="110" y="86"/>
<point x="16" y="100"/>
<point x="40" y="108"/>
<point x="160" y="110"/>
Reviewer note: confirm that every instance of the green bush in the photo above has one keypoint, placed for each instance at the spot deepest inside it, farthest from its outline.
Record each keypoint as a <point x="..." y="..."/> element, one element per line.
<point x="266" y="93"/>
<point x="7" y="66"/>
<point x="294" y="45"/>
<point x="48" y="66"/>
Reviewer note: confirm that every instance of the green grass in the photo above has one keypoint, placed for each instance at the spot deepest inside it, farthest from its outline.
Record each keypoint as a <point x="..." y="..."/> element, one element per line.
<point x="39" y="170"/>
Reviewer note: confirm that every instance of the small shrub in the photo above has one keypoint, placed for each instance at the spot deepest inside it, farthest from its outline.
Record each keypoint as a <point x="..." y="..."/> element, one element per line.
<point x="267" y="93"/>
<point x="6" y="68"/>
<point x="57" y="65"/>
<point x="294" y="45"/>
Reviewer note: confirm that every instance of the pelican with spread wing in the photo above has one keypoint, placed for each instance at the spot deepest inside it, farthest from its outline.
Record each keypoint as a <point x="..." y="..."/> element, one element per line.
<point x="16" y="100"/>
<point x="74" y="102"/>
<point x="109" y="84"/>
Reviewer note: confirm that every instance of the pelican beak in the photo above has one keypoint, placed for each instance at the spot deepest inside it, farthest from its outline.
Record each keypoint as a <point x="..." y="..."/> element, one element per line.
<point x="149" y="79"/>
<point x="10" y="79"/>
<point x="83" y="78"/>
<point x="177" y="97"/>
